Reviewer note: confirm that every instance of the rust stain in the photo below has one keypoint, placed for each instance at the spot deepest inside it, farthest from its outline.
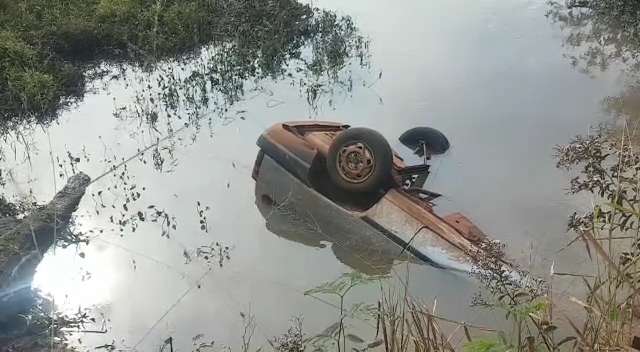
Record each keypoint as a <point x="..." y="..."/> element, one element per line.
<point x="468" y="229"/>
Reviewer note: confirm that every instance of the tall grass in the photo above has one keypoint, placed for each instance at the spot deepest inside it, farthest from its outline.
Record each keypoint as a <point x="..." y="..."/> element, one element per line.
<point x="609" y="170"/>
<point x="407" y="325"/>
<point x="606" y="169"/>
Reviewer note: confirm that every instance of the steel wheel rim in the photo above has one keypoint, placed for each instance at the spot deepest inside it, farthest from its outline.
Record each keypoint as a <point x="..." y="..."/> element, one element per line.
<point x="355" y="162"/>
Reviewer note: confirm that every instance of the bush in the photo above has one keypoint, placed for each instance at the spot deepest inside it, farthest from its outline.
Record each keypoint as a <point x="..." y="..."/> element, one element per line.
<point x="14" y="51"/>
<point x="116" y="10"/>
<point x="46" y="47"/>
<point x="37" y="91"/>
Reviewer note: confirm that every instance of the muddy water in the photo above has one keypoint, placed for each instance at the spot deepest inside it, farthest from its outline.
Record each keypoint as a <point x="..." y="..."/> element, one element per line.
<point x="489" y="74"/>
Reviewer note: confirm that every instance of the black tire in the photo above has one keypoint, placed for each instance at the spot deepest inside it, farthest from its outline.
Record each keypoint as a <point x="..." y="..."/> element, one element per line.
<point x="376" y="165"/>
<point x="435" y="141"/>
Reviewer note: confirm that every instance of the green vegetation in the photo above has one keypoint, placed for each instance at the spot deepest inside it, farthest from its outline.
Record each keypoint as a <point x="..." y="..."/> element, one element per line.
<point x="336" y="335"/>
<point x="310" y="49"/>
<point x="486" y="345"/>
<point x="46" y="47"/>
<point x="602" y="34"/>
<point x="50" y="51"/>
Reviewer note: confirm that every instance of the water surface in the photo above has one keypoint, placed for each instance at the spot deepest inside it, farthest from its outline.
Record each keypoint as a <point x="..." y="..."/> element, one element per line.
<point x="490" y="74"/>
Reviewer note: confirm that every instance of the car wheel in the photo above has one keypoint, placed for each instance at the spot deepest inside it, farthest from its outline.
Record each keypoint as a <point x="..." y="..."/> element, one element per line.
<point x="434" y="141"/>
<point x="360" y="160"/>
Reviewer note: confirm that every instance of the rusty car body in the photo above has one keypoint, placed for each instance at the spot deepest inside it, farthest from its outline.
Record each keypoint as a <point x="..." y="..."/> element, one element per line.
<point x="294" y="156"/>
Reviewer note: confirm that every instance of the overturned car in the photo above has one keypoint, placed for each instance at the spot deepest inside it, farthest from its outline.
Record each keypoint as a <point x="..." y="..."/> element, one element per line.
<point x="352" y="179"/>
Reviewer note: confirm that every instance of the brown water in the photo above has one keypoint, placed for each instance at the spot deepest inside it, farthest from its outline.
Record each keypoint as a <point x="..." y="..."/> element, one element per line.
<point x="489" y="74"/>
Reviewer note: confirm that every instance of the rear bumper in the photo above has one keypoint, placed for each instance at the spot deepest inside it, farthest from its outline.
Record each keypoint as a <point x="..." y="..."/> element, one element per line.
<point x="297" y="166"/>
<point x="286" y="144"/>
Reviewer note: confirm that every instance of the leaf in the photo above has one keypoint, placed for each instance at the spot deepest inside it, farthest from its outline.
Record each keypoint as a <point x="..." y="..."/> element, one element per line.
<point x="484" y="345"/>
<point x="589" y="237"/>
<point x="344" y="284"/>
<point x="375" y="343"/>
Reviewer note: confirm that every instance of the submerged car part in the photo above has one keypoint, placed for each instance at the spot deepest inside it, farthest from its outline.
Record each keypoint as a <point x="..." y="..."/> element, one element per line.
<point x="297" y="213"/>
<point x="303" y="154"/>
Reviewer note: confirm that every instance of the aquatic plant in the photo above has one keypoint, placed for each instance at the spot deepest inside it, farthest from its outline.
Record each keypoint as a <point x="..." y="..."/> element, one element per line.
<point x="337" y="334"/>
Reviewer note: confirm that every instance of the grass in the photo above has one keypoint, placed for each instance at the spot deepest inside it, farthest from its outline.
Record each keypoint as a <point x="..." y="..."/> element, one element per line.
<point x="608" y="170"/>
<point x="50" y="51"/>
<point x="407" y="325"/>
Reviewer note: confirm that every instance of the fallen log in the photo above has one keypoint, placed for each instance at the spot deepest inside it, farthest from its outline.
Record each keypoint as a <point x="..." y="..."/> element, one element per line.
<point x="24" y="241"/>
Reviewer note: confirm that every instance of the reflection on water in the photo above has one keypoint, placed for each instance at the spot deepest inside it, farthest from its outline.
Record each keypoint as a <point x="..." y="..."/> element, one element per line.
<point x="602" y="33"/>
<point x="605" y="35"/>
<point x="312" y="50"/>
<point x="77" y="286"/>
<point x="300" y="220"/>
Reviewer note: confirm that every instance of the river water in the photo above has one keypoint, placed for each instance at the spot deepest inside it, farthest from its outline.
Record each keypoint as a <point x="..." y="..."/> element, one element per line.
<point x="490" y="74"/>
